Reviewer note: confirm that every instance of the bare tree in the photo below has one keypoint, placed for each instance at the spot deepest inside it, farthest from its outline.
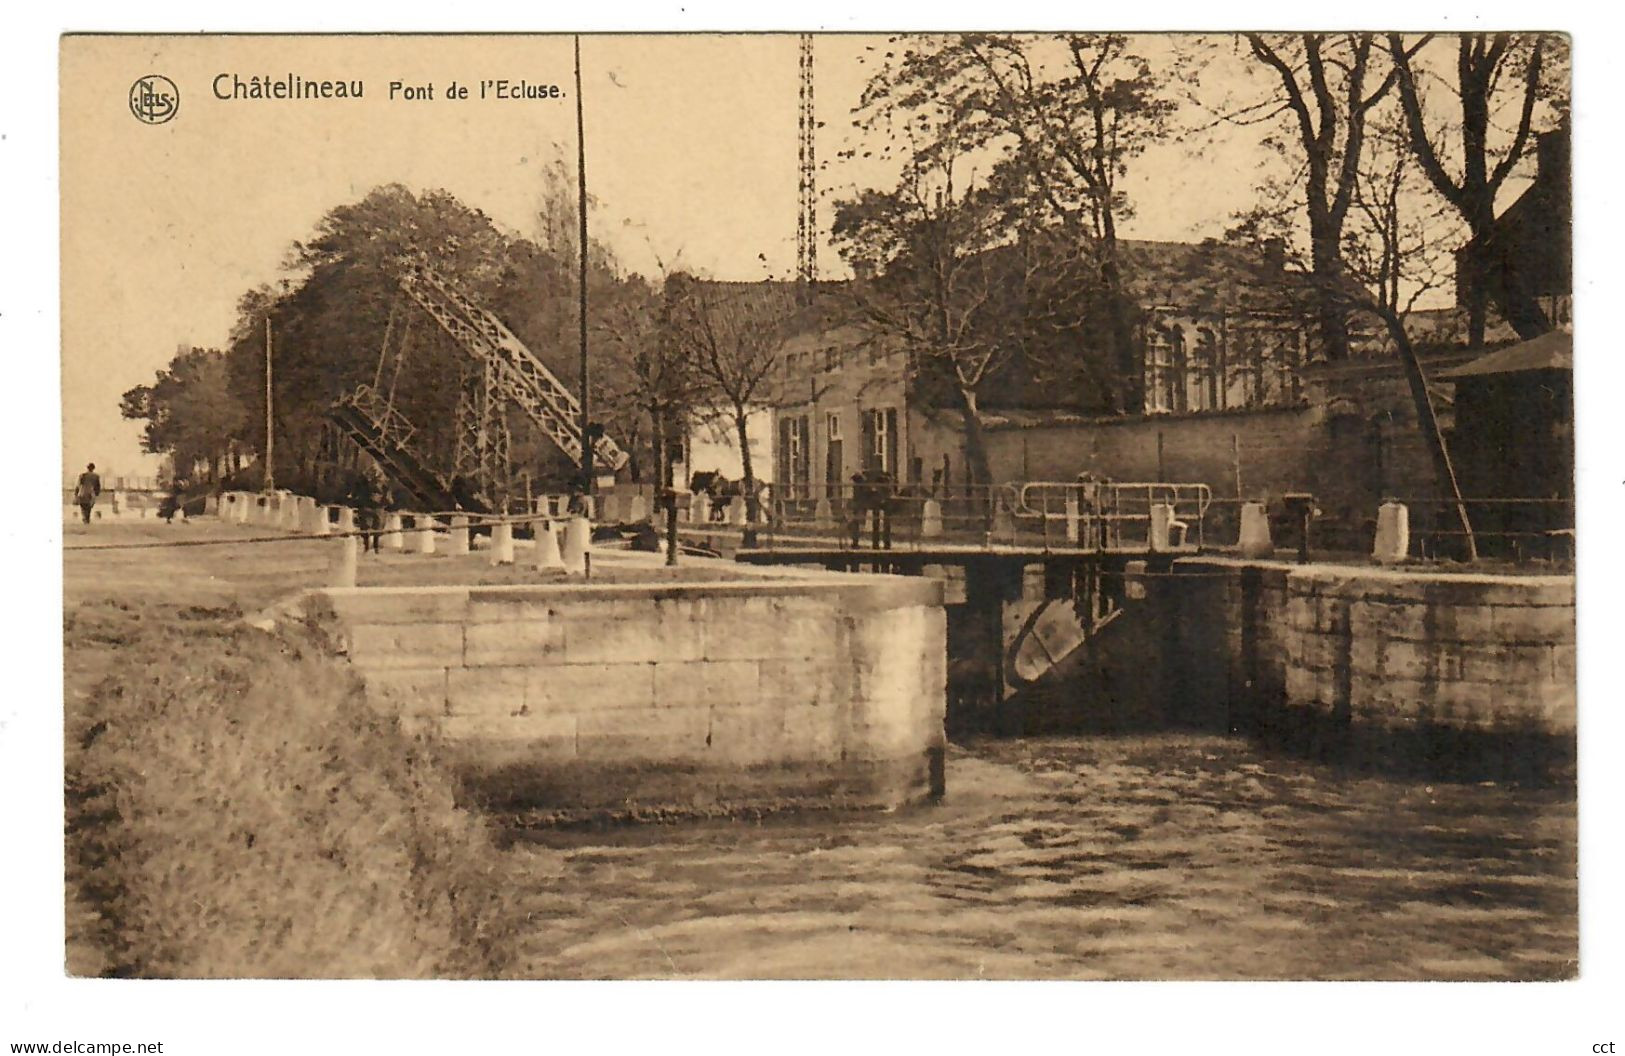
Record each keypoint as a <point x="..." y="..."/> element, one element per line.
<point x="732" y="332"/>
<point x="1484" y="64"/>
<point x="1398" y="253"/>
<point x="1330" y="84"/>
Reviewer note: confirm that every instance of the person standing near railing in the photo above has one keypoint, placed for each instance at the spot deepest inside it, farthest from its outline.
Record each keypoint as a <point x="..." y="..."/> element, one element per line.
<point x="871" y="501"/>
<point x="364" y="497"/>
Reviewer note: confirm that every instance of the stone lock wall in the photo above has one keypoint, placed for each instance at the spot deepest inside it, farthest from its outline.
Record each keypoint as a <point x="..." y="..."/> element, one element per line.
<point x="1373" y="656"/>
<point x="694" y="697"/>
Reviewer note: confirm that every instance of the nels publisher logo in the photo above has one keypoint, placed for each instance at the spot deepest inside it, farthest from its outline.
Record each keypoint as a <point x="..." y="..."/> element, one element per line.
<point x="154" y="99"/>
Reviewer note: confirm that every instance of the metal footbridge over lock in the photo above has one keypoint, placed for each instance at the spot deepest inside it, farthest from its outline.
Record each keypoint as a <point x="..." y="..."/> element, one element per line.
<point x="1041" y="567"/>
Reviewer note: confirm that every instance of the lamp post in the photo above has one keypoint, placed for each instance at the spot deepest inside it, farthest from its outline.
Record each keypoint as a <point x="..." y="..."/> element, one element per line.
<point x="270" y="437"/>
<point x="581" y="202"/>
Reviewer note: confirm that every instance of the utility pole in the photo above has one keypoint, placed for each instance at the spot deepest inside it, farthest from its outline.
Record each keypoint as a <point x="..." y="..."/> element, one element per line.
<point x="581" y="196"/>
<point x="270" y="439"/>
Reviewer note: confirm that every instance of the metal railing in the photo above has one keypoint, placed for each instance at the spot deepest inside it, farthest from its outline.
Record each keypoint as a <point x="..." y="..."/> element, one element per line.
<point x="1508" y="529"/>
<point x="1043" y="515"/>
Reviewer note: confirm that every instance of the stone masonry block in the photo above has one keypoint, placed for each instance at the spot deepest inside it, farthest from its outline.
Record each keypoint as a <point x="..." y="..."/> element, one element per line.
<point x="601" y="641"/>
<point x="1565" y="664"/>
<point x="1509" y="665"/>
<point x="427" y="605"/>
<point x="776" y="636"/>
<point x="643" y="734"/>
<point x="545" y="736"/>
<point x="590" y="687"/>
<point x="1300" y="613"/>
<point x="746" y="736"/>
<point x="689" y="682"/>
<point x="408" y="691"/>
<point x="812" y="733"/>
<point x="820" y="683"/>
<point x="514" y="642"/>
<point x="1533" y="624"/>
<point x="486" y="690"/>
<point x="374" y="645"/>
<point x="1556" y="708"/>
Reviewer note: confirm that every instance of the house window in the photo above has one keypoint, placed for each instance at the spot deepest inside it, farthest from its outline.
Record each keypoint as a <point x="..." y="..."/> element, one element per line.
<point x="832" y="427"/>
<point x="1202" y="376"/>
<point x="880" y="439"/>
<point x="1157" y="364"/>
<point x="793" y="460"/>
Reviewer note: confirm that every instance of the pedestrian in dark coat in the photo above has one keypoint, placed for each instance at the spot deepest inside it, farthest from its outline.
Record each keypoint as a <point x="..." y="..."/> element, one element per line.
<point x="88" y="490"/>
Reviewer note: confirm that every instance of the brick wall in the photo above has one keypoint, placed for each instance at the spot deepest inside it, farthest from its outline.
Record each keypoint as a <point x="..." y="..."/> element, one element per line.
<point x="677" y="698"/>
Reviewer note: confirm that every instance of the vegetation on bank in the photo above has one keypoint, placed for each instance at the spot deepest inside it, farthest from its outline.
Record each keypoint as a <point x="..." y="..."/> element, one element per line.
<point x="234" y="809"/>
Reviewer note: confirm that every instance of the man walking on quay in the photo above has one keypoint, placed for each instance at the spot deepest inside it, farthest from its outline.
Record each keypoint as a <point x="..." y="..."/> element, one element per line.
<point x="88" y="490"/>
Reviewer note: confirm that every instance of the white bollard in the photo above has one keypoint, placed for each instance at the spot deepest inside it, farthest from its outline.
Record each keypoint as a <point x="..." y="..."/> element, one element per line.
<point x="1134" y="580"/>
<point x="346" y="522"/>
<point x="824" y="516"/>
<point x="502" y="543"/>
<point x="1162" y="519"/>
<point x="344" y="562"/>
<point x="425" y="525"/>
<point x="1254" y="539"/>
<point x="699" y="508"/>
<point x="457" y="542"/>
<point x="930" y="519"/>
<point x="636" y="508"/>
<point x="736" y="511"/>
<point x="548" y="558"/>
<point x="1393" y="543"/>
<point x="391" y="539"/>
<point x="577" y="541"/>
<point x="1004" y="523"/>
<point x="1073" y="534"/>
<point x="288" y="513"/>
<point x="322" y="524"/>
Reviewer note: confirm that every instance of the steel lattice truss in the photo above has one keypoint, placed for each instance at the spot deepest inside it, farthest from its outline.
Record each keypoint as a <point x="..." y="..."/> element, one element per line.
<point x="374" y="426"/>
<point x="807" y="166"/>
<point x="514" y="373"/>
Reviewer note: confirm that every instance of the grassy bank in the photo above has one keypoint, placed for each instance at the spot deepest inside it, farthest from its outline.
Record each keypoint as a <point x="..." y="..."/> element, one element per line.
<point x="234" y="809"/>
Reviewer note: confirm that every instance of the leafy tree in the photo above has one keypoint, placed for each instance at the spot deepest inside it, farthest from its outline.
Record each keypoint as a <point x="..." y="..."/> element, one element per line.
<point x="938" y="271"/>
<point x="648" y="375"/>
<point x="189" y="412"/>
<point x="1059" y="117"/>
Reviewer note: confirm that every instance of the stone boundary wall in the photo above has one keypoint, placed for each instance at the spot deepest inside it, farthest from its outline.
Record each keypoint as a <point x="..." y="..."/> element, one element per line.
<point x="1371" y="654"/>
<point x="681" y="698"/>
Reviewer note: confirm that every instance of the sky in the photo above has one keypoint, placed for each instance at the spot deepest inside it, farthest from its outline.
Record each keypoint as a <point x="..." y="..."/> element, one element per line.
<point x="691" y="156"/>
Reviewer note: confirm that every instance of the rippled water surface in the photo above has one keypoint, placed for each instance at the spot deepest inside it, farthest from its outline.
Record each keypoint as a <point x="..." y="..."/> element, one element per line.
<point x="1161" y="856"/>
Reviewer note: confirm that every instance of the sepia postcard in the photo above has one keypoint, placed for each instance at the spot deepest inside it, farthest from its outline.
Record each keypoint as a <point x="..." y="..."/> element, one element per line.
<point x="819" y="506"/>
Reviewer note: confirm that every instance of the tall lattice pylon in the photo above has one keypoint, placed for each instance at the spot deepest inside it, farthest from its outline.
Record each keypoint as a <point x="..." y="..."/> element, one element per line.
<point x="807" y="162"/>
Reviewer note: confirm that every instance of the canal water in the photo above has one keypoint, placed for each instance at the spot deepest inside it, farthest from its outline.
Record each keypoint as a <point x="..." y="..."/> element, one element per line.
<point x="1150" y="856"/>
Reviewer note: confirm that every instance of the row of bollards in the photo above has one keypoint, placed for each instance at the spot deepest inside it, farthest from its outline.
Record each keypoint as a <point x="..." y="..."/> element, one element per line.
<point x="1391" y="546"/>
<point x="569" y="556"/>
<point x="556" y="550"/>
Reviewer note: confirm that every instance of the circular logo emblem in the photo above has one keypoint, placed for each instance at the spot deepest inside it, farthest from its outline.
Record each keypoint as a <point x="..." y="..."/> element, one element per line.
<point x="154" y="99"/>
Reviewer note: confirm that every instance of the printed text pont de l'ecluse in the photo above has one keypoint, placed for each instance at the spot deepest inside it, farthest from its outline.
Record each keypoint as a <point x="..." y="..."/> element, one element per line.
<point x="233" y="87"/>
